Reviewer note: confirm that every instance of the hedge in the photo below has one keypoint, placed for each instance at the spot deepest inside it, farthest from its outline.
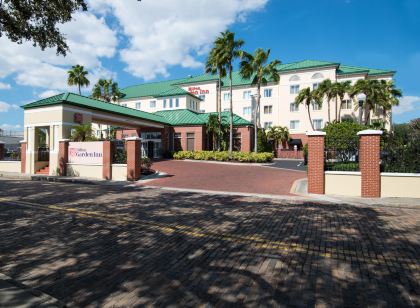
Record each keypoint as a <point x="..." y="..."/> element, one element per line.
<point x="225" y="156"/>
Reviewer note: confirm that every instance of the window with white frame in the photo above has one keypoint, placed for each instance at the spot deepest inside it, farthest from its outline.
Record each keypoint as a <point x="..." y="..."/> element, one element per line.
<point x="294" y="107"/>
<point x="317" y="76"/>
<point x="294" y="89"/>
<point x="268" y="109"/>
<point x="202" y="97"/>
<point x="247" y="110"/>
<point x="316" y="106"/>
<point x="177" y="102"/>
<point x="268" y="125"/>
<point x="171" y="103"/>
<point x="294" y="78"/>
<point x="152" y="104"/>
<point x="315" y="85"/>
<point x="318" y="124"/>
<point x="164" y="103"/>
<point x="246" y="95"/>
<point x="294" y="124"/>
<point x="346" y="104"/>
<point x="226" y="96"/>
<point x="268" y="92"/>
<point x="124" y="104"/>
<point x="138" y="105"/>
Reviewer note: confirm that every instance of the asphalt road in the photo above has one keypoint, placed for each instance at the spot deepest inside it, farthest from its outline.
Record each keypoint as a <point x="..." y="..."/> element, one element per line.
<point x="288" y="164"/>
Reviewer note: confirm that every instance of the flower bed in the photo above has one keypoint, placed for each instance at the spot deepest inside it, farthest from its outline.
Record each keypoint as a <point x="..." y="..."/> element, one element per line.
<point x="225" y="156"/>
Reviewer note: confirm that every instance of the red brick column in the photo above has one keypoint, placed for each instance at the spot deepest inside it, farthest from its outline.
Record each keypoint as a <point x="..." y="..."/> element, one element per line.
<point x="63" y="156"/>
<point x="369" y="162"/>
<point x="107" y="160"/>
<point x="1" y="150"/>
<point x="133" y="158"/>
<point x="23" y="156"/>
<point x="316" y="177"/>
<point x="246" y="137"/>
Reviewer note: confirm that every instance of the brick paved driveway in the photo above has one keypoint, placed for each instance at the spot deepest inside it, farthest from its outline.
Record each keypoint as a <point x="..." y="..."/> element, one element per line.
<point x="110" y="246"/>
<point x="225" y="177"/>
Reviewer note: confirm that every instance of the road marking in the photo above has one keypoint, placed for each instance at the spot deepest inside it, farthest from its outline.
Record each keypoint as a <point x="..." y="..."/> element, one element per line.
<point x="254" y="240"/>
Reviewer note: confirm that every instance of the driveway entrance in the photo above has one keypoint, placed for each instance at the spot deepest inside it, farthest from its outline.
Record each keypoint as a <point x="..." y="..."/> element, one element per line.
<point x="226" y="177"/>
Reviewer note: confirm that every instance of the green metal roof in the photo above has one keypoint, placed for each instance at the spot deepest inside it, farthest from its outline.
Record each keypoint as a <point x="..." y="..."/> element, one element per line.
<point x="348" y="70"/>
<point x="83" y="101"/>
<point x="307" y="64"/>
<point x="184" y="117"/>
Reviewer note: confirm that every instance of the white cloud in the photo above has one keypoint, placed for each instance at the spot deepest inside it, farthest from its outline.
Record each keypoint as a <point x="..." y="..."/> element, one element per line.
<point x="89" y="39"/>
<point x="5" y="86"/>
<point x="407" y="104"/>
<point x="10" y="126"/>
<point x="48" y="93"/>
<point x="165" y="33"/>
<point x="5" y="107"/>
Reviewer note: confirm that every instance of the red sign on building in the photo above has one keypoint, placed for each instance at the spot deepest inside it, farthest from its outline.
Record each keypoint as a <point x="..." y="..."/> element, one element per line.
<point x="197" y="91"/>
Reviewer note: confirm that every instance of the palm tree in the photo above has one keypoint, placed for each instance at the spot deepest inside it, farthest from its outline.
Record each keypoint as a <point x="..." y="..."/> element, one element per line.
<point x="307" y="97"/>
<point x="256" y="67"/>
<point x="215" y="65"/>
<point x="390" y="98"/>
<point x="278" y="134"/>
<point x="77" y="76"/>
<point x="228" y="49"/>
<point x="213" y="128"/>
<point x="341" y="89"/>
<point x="106" y="90"/>
<point x="325" y="90"/>
<point x="82" y="132"/>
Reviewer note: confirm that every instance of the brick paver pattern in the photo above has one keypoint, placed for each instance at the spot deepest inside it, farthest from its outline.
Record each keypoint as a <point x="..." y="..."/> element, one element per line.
<point x="225" y="177"/>
<point x="118" y="247"/>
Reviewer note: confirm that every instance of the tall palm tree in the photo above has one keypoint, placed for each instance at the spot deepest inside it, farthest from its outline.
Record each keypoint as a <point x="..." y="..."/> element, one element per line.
<point x="77" y="77"/>
<point x="255" y="67"/>
<point x="106" y="90"/>
<point x="341" y="89"/>
<point x="213" y="128"/>
<point x="228" y="49"/>
<point x="390" y="98"/>
<point x="325" y="91"/>
<point x="215" y="65"/>
<point x="307" y="97"/>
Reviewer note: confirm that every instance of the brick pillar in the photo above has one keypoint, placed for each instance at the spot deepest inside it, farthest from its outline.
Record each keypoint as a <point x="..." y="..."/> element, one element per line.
<point x="316" y="177"/>
<point x="63" y="156"/>
<point x="1" y="150"/>
<point x="107" y="160"/>
<point x="133" y="145"/>
<point x="369" y="162"/>
<point x="23" y="156"/>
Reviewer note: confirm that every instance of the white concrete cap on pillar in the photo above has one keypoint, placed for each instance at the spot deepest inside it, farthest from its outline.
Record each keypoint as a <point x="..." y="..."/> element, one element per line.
<point x="132" y="138"/>
<point x="316" y="133"/>
<point x="22" y="141"/>
<point x="370" y="132"/>
<point x="63" y="140"/>
<point x="1" y="142"/>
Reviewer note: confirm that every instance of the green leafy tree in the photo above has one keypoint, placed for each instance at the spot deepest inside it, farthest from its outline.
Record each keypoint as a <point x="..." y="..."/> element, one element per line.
<point x="77" y="77"/>
<point x="37" y="21"/>
<point x="262" y="143"/>
<point x="256" y="68"/>
<point x="325" y="91"/>
<point x="215" y="65"/>
<point x="228" y="49"/>
<point x="307" y="97"/>
<point x="106" y="90"/>
<point x="213" y="128"/>
<point x="341" y="89"/>
<point x="278" y="134"/>
<point x="82" y="132"/>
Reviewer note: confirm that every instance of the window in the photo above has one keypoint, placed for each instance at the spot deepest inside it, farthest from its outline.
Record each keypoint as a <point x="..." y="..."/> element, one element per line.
<point x="294" y="107"/>
<point x="294" y="124"/>
<point x="177" y="142"/>
<point x="346" y="104"/>
<point x="294" y="89"/>
<point x="138" y="105"/>
<point x="294" y="78"/>
<point x="316" y="106"/>
<point x="247" y="110"/>
<point x="202" y="111"/>
<point x="226" y="109"/>
<point x="164" y="103"/>
<point x="317" y="76"/>
<point x="170" y="103"/>
<point x="202" y="97"/>
<point x="176" y="102"/>
<point x="318" y="124"/>
<point x="268" y="109"/>
<point x="315" y="85"/>
<point x="226" y="96"/>
<point x="124" y="105"/>
<point x="190" y="141"/>
<point x="267" y="92"/>
<point x="152" y="104"/>
<point x="268" y="125"/>
<point x="246" y="95"/>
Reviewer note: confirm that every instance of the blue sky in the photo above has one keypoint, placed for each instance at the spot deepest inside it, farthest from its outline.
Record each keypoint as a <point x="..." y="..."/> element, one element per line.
<point x="134" y="42"/>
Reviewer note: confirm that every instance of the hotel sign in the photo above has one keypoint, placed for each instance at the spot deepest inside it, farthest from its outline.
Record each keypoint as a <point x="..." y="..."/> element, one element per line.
<point x="86" y="153"/>
<point x="197" y="91"/>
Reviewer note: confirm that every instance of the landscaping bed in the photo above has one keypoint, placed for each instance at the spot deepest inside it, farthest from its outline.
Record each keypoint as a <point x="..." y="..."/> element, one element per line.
<point x="225" y="156"/>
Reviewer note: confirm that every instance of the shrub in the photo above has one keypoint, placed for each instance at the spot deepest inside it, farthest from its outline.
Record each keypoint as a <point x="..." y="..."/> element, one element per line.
<point x="146" y="163"/>
<point x="224" y="156"/>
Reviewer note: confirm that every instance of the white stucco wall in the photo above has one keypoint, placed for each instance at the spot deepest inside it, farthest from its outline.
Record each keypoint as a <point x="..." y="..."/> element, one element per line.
<point x="9" y="166"/>
<point x="86" y="171"/>
<point x="343" y="183"/>
<point x="400" y="185"/>
<point x="119" y="172"/>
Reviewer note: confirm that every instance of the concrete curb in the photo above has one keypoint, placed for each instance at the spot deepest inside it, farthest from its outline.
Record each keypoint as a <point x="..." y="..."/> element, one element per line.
<point x="300" y="187"/>
<point x="14" y="293"/>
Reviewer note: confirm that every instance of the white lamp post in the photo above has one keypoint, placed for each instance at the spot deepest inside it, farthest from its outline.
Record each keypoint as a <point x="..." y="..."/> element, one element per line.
<point x="361" y="98"/>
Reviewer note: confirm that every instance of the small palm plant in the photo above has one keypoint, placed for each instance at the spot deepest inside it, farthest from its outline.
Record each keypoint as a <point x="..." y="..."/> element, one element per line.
<point x="106" y="90"/>
<point x="77" y="77"/>
<point x="278" y="134"/>
<point x="213" y="128"/>
<point x="82" y="132"/>
<point x="307" y="97"/>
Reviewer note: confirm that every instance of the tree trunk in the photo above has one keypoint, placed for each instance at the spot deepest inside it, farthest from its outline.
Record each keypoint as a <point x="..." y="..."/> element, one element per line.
<point x="336" y="108"/>
<point x="367" y="114"/>
<point x="256" y="116"/>
<point x="310" y="118"/>
<point x="219" y="107"/>
<point x="231" y="112"/>
<point x="80" y="93"/>
<point x="339" y="110"/>
<point x="329" y="112"/>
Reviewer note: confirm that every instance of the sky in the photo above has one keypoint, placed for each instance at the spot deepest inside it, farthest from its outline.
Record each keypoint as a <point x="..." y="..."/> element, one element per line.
<point x="150" y="40"/>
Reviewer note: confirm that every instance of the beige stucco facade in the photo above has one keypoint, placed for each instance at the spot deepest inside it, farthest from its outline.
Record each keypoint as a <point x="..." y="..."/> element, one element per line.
<point x="119" y="172"/>
<point x="343" y="183"/>
<point x="400" y="185"/>
<point x="9" y="166"/>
